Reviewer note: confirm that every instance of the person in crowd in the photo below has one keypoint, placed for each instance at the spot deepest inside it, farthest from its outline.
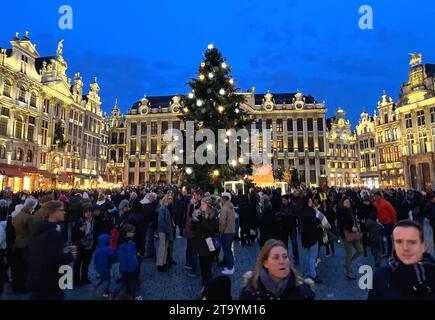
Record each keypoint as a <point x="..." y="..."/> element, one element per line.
<point x="290" y="226"/>
<point x="3" y="242"/>
<point x="179" y="212"/>
<point x="430" y="214"/>
<point x="410" y="273"/>
<point x="128" y="262"/>
<point x="47" y="255"/>
<point x="191" y="256"/>
<point x="245" y="216"/>
<point x="41" y="214"/>
<point x="387" y="216"/>
<point x="205" y="224"/>
<point x="375" y="231"/>
<point x="267" y="222"/>
<point x="406" y="206"/>
<point x="227" y="230"/>
<point x="104" y="257"/>
<point x="21" y="223"/>
<point x="165" y="228"/>
<point x="83" y="237"/>
<point x="218" y="289"/>
<point x="274" y="278"/>
<point x="366" y="210"/>
<point x="148" y="207"/>
<point x="102" y="224"/>
<point x="350" y="234"/>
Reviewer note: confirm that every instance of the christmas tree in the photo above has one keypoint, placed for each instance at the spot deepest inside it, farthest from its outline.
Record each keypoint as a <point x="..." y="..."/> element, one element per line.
<point x="213" y="103"/>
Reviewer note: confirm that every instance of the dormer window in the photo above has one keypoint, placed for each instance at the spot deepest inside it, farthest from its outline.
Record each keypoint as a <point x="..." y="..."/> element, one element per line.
<point x="24" y="62"/>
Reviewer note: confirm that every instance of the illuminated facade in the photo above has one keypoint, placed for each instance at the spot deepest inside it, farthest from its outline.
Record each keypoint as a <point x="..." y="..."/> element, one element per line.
<point x="416" y="114"/>
<point x="368" y="163"/>
<point x="342" y="152"/>
<point x="36" y="96"/>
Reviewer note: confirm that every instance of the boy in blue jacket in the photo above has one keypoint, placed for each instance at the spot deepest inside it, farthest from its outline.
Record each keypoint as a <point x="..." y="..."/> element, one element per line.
<point x="104" y="257"/>
<point x="128" y="262"/>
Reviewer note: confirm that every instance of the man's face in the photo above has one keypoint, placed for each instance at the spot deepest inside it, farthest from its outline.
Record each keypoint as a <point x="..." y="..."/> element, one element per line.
<point x="58" y="215"/>
<point x="197" y="197"/>
<point x="284" y="201"/>
<point x="408" y="245"/>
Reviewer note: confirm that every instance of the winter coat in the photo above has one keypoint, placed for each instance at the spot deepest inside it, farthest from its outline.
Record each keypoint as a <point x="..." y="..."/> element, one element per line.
<point x="430" y="213"/>
<point x="267" y="223"/>
<point x="101" y="226"/>
<point x="104" y="256"/>
<point x="375" y="231"/>
<point x="3" y="234"/>
<point x="21" y="224"/>
<point x="165" y="223"/>
<point x="398" y="281"/>
<point x="127" y="256"/>
<point x="179" y="211"/>
<point x="45" y="257"/>
<point x="345" y="219"/>
<point x="290" y="217"/>
<point x="405" y="207"/>
<point x="40" y="215"/>
<point x="150" y="213"/>
<point x="295" y="290"/>
<point x="80" y="237"/>
<point x="75" y="209"/>
<point x="386" y="212"/>
<point x="188" y="224"/>
<point x="227" y="219"/>
<point x="311" y="231"/>
<point x="205" y="228"/>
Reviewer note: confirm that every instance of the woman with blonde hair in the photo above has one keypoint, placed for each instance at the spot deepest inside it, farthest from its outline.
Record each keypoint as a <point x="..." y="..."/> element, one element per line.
<point x="274" y="278"/>
<point x="165" y="228"/>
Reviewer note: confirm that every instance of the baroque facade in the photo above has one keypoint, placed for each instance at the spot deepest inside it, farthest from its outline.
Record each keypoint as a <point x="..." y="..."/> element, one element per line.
<point x="37" y="99"/>
<point x="368" y="163"/>
<point x="297" y="124"/>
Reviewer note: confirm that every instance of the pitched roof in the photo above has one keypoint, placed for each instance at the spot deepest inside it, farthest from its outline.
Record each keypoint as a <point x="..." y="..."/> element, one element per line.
<point x="282" y="98"/>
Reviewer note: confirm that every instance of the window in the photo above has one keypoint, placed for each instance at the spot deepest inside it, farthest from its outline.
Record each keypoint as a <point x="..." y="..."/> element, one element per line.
<point x="373" y="156"/>
<point x="43" y="158"/>
<point x="80" y="117"/>
<point x="320" y="124"/>
<point x="29" y="157"/>
<point x="121" y="155"/>
<point x="432" y="114"/>
<point x="279" y="145"/>
<point x="259" y="125"/>
<point x="153" y="145"/>
<point x="114" y="138"/>
<point x="132" y="164"/>
<point x="3" y="126"/>
<point x="44" y="132"/>
<point x="143" y="129"/>
<point x="22" y="94"/>
<point x="408" y="120"/>
<point x="386" y="118"/>
<point x="133" y="129"/>
<point x="176" y="125"/>
<point x="290" y="144"/>
<point x="5" y="112"/>
<point x="289" y="125"/>
<point x="372" y="142"/>
<point x="301" y="162"/>
<point x="422" y="139"/>
<point x="410" y="140"/>
<point x="300" y="143"/>
<point x="133" y="147"/>
<point x="19" y="128"/>
<point x="30" y="132"/>
<point x="153" y="128"/>
<point x="380" y="140"/>
<point x="7" y="88"/>
<point x="268" y="124"/>
<point x="20" y="154"/>
<point x="279" y="126"/>
<point x="46" y="106"/>
<point x="420" y="118"/>
<point x="2" y="152"/>
<point x="121" y="138"/>
<point x="112" y="155"/>
<point x="300" y="126"/>
<point x="164" y="126"/>
<point x="310" y="124"/>
<point x="366" y="144"/>
<point x="321" y="144"/>
<point x="310" y="143"/>
<point x="143" y="146"/>
<point x="33" y="100"/>
<point x="361" y="145"/>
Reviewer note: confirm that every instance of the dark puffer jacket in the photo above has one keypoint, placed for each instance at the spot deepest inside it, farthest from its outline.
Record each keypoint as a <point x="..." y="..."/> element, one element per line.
<point x="295" y="290"/>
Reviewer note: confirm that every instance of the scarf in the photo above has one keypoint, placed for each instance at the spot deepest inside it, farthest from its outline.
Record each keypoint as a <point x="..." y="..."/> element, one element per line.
<point x="275" y="288"/>
<point x="418" y="278"/>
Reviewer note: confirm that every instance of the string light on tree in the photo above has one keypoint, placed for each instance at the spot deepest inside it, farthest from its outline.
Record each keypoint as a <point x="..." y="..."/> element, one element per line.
<point x="185" y="109"/>
<point x="224" y="65"/>
<point x="231" y="81"/>
<point x="189" y="171"/>
<point x="216" y="173"/>
<point x="221" y="92"/>
<point x="191" y="95"/>
<point x="236" y="110"/>
<point x="228" y="133"/>
<point x="210" y="46"/>
<point x="201" y="77"/>
<point x="234" y="163"/>
<point x="221" y="109"/>
<point x="210" y="75"/>
<point x="199" y="102"/>
<point x="202" y="64"/>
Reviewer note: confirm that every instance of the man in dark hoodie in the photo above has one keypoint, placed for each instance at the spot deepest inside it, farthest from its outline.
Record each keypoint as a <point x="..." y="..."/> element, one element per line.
<point x="46" y="256"/>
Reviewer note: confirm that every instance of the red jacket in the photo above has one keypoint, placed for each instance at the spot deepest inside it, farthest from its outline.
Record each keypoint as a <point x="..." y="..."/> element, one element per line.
<point x="386" y="212"/>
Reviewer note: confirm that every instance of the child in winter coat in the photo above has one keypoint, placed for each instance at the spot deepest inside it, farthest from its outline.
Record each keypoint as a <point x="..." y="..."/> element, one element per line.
<point x="375" y="237"/>
<point x="128" y="262"/>
<point x="104" y="257"/>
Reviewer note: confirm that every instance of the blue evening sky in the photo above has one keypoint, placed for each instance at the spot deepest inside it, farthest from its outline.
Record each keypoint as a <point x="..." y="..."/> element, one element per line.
<point x="154" y="47"/>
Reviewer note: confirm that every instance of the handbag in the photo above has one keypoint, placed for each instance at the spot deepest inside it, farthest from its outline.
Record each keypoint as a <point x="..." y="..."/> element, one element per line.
<point x="352" y="236"/>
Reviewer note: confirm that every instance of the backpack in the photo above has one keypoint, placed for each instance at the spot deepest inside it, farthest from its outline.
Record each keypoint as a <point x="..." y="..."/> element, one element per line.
<point x="114" y="238"/>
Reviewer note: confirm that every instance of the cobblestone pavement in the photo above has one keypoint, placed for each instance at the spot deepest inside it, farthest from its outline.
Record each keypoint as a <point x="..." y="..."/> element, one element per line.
<point x="178" y="285"/>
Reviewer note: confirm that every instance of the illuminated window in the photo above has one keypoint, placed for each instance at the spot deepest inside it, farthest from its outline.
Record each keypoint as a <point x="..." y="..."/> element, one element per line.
<point x="279" y="126"/>
<point x="408" y="120"/>
<point x="22" y="94"/>
<point x="7" y="88"/>
<point x="420" y="118"/>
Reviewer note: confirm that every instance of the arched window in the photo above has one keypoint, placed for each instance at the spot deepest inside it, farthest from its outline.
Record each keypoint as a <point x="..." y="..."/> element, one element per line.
<point x="20" y="154"/>
<point x="113" y="155"/>
<point x="2" y="152"/>
<point x="33" y="100"/>
<point x="22" y="94"/>
<point x="29" y="156"/>
<point x="7" y="88"/>
<point x="19" y="128"/>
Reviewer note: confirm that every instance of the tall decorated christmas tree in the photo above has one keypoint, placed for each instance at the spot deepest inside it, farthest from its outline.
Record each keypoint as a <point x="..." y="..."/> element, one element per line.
<point x="213" y="103"/>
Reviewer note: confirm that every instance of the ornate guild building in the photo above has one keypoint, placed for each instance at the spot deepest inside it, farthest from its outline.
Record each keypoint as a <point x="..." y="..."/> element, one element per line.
<point x="368" y="164"/>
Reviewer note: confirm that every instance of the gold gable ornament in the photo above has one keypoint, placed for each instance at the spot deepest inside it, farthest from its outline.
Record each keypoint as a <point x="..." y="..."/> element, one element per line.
<point x="417" y="58"/>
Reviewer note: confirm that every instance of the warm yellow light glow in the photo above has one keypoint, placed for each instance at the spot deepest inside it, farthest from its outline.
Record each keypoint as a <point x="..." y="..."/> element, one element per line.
<point x="189" y="170"/>
<point x="231" y="81"/>
<point x="26" y="183"/>
<point x="201" y="77"/>
<point x="241" y="160"/>
<point x="185" y="110"/>
<point x="216" y="173"/>
<point x="221" y="109"/>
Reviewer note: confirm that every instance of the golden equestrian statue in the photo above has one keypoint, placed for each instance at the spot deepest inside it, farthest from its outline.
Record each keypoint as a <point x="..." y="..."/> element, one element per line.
<point x="417" y="58"/>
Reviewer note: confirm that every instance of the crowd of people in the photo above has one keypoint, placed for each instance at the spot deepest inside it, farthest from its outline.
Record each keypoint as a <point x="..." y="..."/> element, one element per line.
<point x="42" y="231"/>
